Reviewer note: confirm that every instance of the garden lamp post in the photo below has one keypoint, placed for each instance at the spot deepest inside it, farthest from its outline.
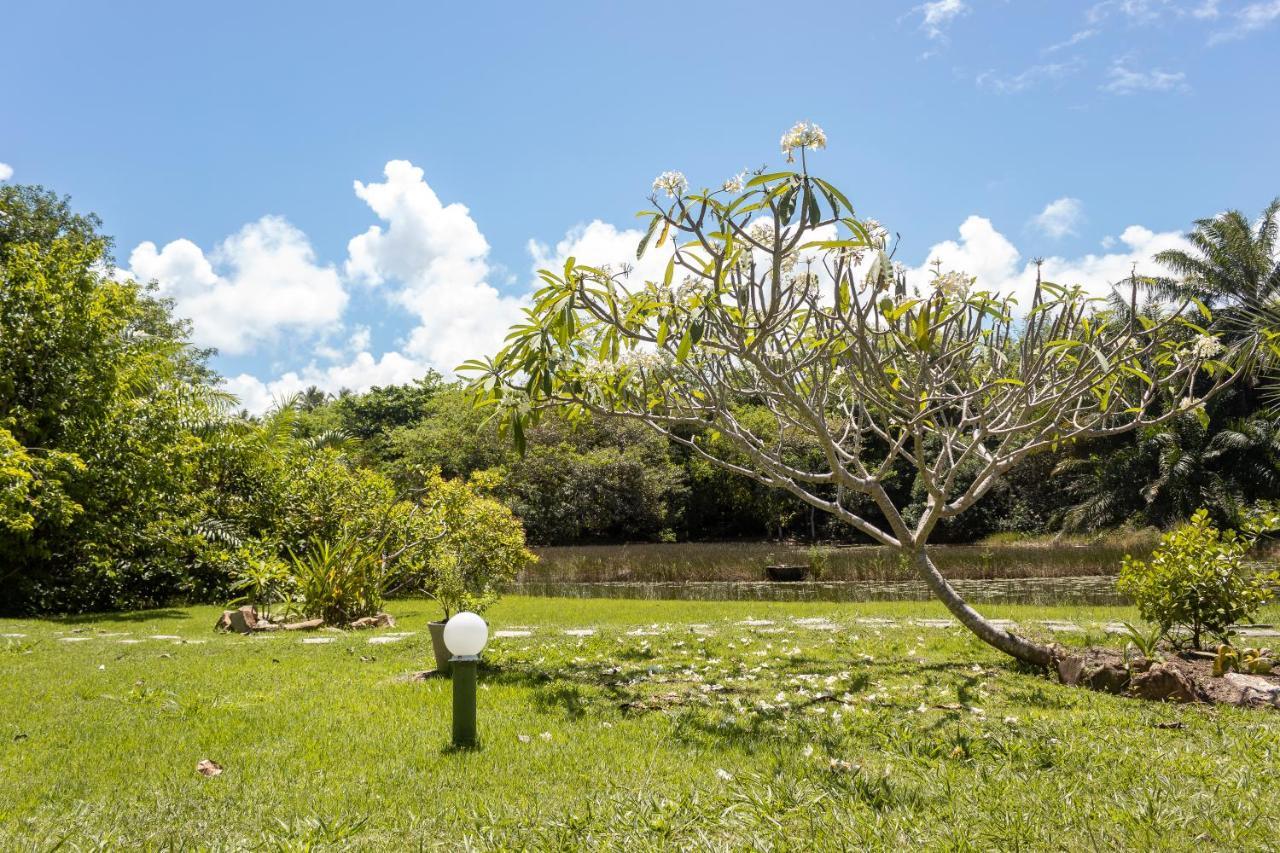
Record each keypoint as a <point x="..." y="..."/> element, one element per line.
<point x="465" y="636"/>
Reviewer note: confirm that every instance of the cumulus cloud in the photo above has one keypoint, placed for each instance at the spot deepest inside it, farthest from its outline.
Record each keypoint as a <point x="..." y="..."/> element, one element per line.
<point x="1060" y="217"/>
<point x="6" y="171"/>
<point x="359" y="374"/>
<point x="434" y="259"/>
<point x="985" y="252"/>
<point x="254" y="284"/>
<point x="1123" y="80"/>
<point x="602" y="244"/>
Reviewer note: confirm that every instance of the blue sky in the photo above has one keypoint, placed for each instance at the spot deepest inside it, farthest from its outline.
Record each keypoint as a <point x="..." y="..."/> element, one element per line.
<point x="222" y="145"/>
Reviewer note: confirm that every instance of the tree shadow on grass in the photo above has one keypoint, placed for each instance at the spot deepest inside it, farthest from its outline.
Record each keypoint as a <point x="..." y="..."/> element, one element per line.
<point x="123" y="616"/>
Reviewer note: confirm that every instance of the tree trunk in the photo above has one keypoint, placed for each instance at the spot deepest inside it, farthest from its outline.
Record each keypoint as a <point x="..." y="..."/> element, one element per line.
<point x="1010" y="644"/>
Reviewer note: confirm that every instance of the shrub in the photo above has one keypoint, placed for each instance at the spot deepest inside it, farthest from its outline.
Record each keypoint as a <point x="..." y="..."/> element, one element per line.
<point x="1197" y="580"/>
<point x="339" y="581"/>
<point x="482" y="548"/>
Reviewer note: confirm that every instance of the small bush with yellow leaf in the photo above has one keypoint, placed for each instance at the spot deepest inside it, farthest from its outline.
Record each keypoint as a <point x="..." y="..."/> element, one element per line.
<point x="1198" y="583"/>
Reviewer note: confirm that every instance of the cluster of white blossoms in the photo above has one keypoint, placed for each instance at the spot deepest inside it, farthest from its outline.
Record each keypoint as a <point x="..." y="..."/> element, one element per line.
<point x="674" y="183"/>
<point x="736" y="183"/>
<point x="954" y="284"/>
<point x="806" y="285"/>
<point x="515" y="400"/>
<point x="647" y="361"/>
<point x="690" y="288"/>
<point x="1206" y="346"/>
<point x="877" y="232"/>
<point x="632" y="362"/>
<point x="803" y="135"/>
<point x="761" y="232"/>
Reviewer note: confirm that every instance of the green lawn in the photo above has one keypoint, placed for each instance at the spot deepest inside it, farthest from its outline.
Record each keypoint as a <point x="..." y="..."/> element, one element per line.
<point x="789" y="735"/>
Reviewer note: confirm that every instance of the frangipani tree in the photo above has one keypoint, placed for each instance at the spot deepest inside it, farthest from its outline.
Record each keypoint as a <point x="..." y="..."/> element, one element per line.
<point x="777" y="294"/>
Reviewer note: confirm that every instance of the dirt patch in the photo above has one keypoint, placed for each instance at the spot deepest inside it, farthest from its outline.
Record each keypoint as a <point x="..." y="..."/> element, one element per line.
<point x="1185" y="677"/>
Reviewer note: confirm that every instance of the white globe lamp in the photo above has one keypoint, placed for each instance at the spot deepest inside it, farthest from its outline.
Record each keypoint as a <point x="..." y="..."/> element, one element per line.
<point x="465" y="635"/>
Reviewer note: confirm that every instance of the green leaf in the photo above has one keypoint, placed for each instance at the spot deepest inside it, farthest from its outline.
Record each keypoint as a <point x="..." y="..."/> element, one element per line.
<point x="686" y="344"/>
<point x="648" y="235"/>
<point x="764" y="179"/>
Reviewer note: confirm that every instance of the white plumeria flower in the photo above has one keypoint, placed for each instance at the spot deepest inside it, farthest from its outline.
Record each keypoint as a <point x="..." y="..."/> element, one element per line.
<point x="735" y="184"/>
<point x="674" y="183"/>
<point x="802" y="135"/>
<point x="723" y="775"/>
<point x="1206" y="346"/>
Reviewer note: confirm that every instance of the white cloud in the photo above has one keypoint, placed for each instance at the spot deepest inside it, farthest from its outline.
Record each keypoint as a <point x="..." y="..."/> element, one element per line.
<point x="1136" y="11"/>
<point x="1075" y="39"/>
<point x="937" y="16"/>
<point x="359" y="374"/>
<point x="6" y="171"/>
<point x="436" y="261"/>
<point x="1207" y="10"/>
<point x="1028" y="78"/>
<point x="1123" y="80"/>
<point x="984" y="252"/>
<point x="602" y="244"/>
<point x="269" y="281"/>
<point x="1060" y="217"/>
<point x="1247" y="19"/>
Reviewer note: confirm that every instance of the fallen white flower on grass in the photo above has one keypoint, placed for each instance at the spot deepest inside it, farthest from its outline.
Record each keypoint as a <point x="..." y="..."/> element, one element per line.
<point x="523" y="738"/>
<point x="545" y="735"/>
<point x="724" y="775"/>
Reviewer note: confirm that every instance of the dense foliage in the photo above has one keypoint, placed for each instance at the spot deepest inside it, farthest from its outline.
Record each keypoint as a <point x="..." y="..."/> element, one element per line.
<point x="125" y="481"/>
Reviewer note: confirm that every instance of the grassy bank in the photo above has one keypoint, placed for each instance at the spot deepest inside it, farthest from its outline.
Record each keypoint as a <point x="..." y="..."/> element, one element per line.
<point x="674" y="724"/>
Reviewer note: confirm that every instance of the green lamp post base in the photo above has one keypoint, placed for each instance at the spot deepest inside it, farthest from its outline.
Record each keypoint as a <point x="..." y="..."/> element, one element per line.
<point x="464" y="700"/>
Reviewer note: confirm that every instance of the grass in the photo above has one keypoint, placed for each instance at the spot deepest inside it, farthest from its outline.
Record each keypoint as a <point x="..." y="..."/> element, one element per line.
<point x="696" y="731"/>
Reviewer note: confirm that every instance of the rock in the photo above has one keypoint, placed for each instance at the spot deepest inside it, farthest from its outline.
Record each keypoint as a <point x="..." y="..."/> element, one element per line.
<point x="1163" y="683"/>
<point x="1254" y="689"/>
<point x="304" y="625"/>
<point x="205" y="767"/>
<point x="1107" y="678"/>
<point x="381" y="620"/>
<point x="1070" y="669"/>
<point x="241" y="621"/>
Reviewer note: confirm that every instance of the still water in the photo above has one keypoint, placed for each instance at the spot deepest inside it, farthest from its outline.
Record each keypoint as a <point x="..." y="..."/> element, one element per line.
<point x="1020" y="573"/>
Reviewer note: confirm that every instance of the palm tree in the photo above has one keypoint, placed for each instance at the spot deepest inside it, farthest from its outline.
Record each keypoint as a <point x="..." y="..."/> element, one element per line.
<point x="1231" y="267"/>
<point x="312" y="399"/>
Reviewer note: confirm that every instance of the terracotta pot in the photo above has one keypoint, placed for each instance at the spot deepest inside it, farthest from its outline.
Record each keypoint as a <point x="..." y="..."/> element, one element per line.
<point x="437" y="645"/>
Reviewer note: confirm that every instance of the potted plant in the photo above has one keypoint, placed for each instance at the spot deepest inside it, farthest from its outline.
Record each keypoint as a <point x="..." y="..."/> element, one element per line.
<point x="482" y="550"/>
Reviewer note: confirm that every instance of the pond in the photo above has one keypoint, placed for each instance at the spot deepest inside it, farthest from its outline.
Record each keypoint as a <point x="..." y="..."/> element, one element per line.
<point x="1008" y="573"/>
<point x="1083" y="590"/>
